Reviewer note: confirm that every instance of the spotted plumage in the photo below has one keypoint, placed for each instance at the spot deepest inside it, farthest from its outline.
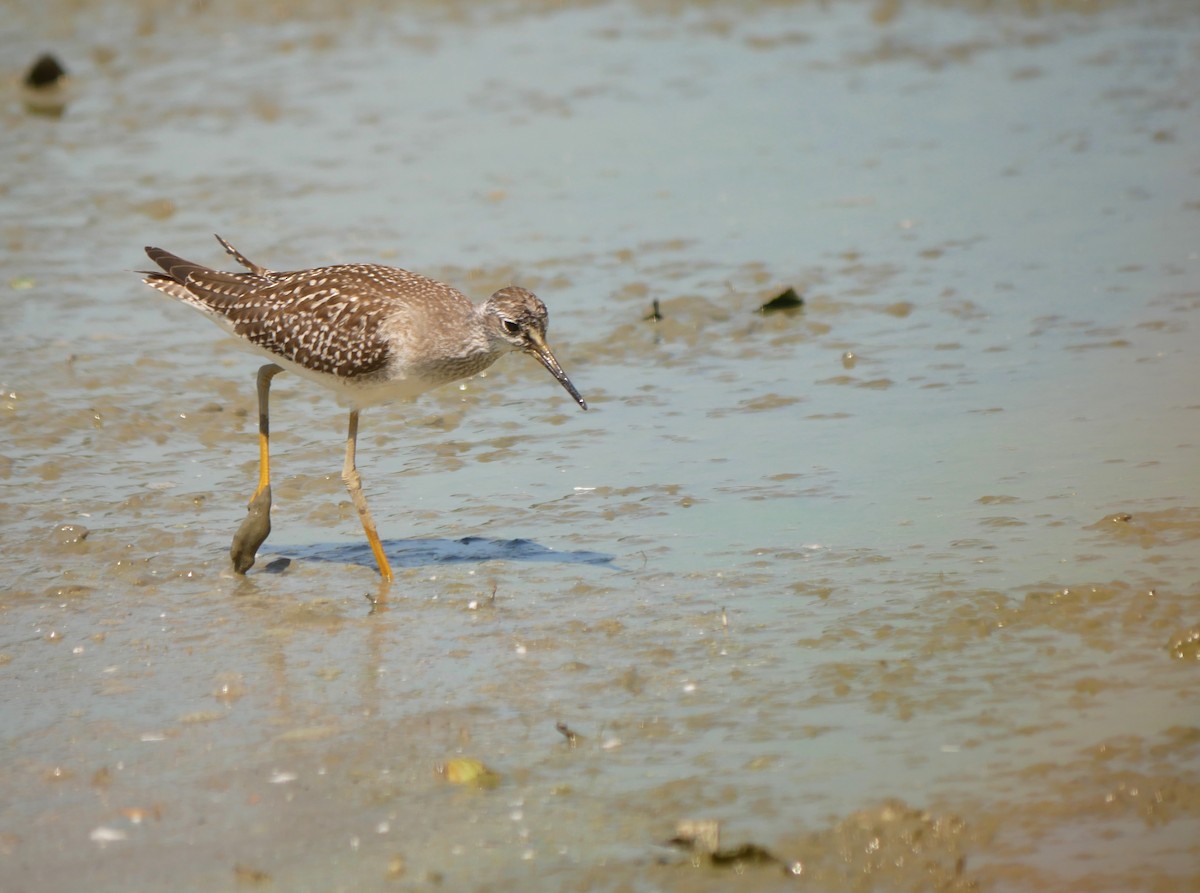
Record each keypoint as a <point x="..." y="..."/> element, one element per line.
<point x="370" y="333"/>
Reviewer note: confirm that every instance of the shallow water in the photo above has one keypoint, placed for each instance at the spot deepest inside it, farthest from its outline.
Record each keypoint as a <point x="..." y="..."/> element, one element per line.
<point x="900" y="586"/>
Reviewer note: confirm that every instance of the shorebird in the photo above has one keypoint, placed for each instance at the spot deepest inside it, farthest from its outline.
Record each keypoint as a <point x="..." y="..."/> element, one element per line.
<point x="369" y="333"/>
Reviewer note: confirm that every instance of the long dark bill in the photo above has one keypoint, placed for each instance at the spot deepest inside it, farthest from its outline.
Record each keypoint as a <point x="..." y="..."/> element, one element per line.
<point x="541" y="351"/>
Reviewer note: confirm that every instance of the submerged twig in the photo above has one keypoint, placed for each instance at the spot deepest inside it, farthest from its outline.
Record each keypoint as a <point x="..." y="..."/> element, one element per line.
<point x="567" y="732"/>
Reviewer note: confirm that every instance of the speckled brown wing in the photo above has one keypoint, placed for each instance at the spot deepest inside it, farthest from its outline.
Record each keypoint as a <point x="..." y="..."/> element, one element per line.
<point x="326" y="320"/>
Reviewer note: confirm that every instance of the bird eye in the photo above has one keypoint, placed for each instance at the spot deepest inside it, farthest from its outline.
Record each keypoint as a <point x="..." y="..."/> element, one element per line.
<point x="511" y="326"/>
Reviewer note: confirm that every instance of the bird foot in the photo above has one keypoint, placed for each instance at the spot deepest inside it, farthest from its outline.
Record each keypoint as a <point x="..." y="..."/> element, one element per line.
<point x="252" y="532"/>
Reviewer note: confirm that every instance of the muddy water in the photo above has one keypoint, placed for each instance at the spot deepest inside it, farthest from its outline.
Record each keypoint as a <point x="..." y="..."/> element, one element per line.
<point x="900" y="587"/>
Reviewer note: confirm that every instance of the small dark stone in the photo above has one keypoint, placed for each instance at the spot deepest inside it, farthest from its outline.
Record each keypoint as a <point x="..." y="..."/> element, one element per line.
<point x="46" y="72"/>
<point x="746" y="853"/>
<point x="787" y="300"/>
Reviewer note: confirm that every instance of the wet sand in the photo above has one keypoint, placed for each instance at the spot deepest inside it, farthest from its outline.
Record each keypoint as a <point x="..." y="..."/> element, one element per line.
<point x="899" y="587"/>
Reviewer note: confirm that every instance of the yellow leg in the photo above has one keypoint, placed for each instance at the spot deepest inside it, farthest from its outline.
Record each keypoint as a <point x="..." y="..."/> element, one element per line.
<point x="354" y="484"/>
<point x="254" y="530"/>
<point x="265" y="374"/>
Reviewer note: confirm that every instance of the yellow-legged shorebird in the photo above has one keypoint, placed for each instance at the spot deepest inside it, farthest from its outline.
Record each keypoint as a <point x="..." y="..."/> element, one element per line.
<point x="369" y="333"/>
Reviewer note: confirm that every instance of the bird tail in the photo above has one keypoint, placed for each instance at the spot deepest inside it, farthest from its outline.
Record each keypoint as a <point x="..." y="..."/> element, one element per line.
<point x="175" y="268"/>
<point x="196" y="284"/>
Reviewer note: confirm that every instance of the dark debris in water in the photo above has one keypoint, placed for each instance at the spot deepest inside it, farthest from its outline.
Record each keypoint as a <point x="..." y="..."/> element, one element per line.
<point x="45" y="72"/>
<point x="45" y="87"/>
<point x="786" y="300"/>
<point x="702" y="837"/>
<point x="567" y="732"/>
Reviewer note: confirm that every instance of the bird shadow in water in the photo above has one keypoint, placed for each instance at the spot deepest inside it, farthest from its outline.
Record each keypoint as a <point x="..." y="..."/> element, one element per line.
<point x="469" y="549"/>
